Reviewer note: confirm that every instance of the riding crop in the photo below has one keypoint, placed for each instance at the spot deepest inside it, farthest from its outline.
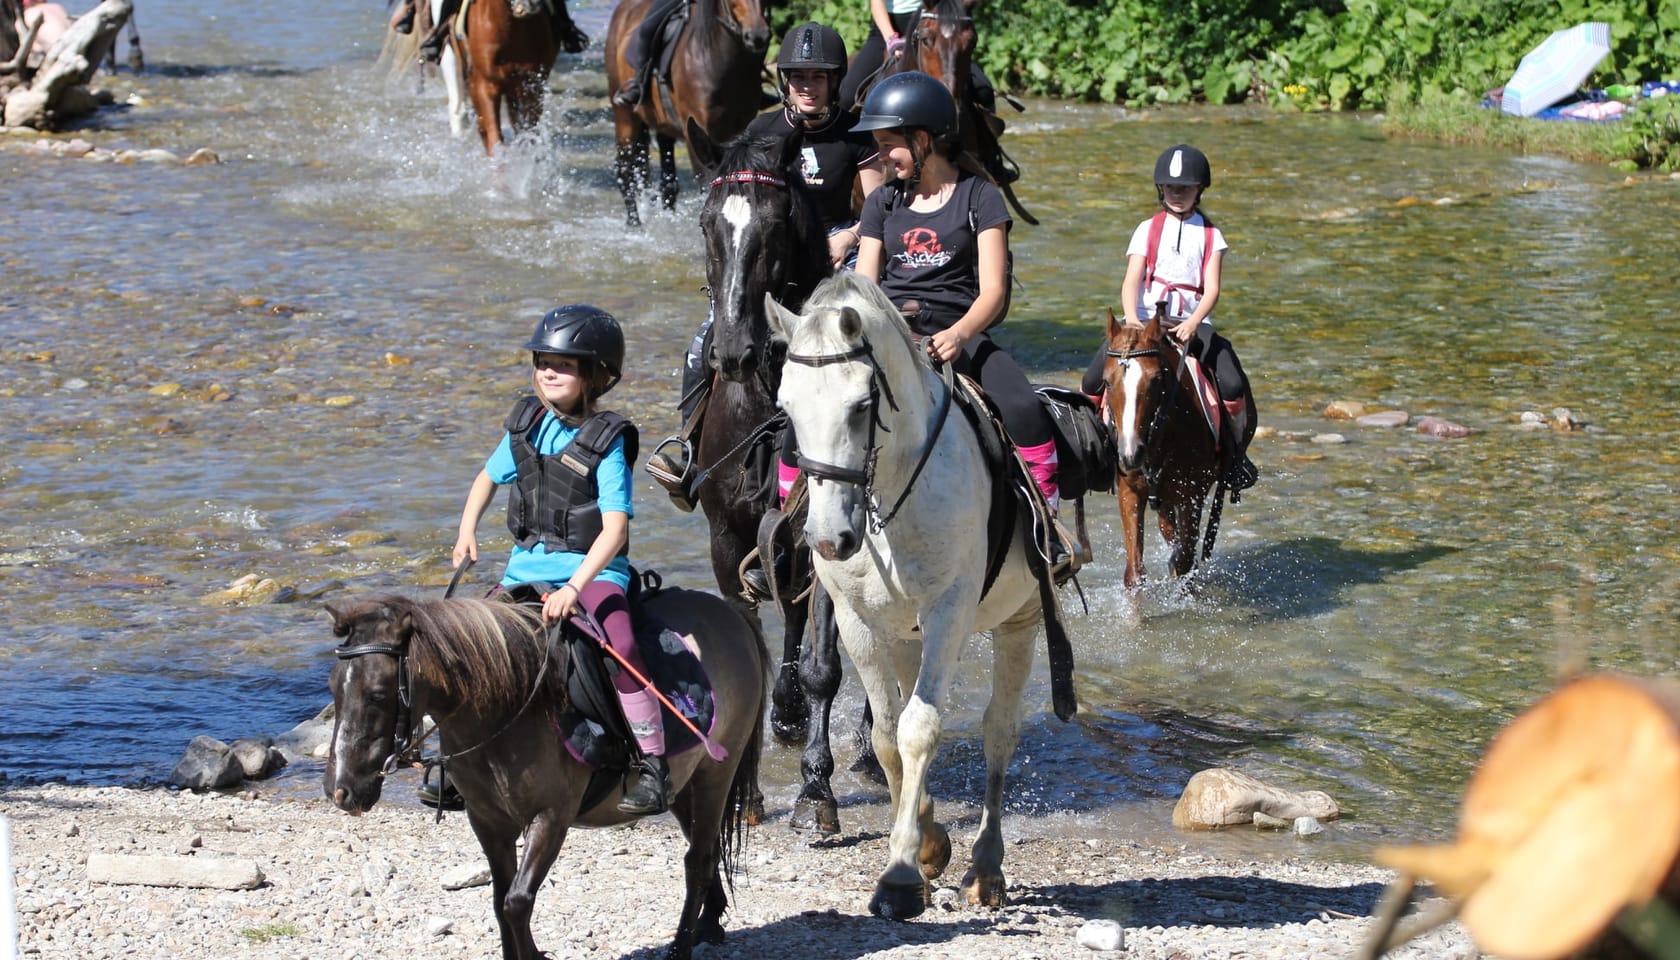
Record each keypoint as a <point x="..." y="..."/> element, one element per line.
<point x="596" y="633"/>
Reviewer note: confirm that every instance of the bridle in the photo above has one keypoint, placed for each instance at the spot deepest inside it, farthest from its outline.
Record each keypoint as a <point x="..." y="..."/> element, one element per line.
<point x="1153" y="430"/>
<point x="864" y="476"/>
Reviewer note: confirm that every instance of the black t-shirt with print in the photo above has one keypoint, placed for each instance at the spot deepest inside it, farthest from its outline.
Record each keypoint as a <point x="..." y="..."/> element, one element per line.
<point x="829" y="160"/>
<point x="933" y="257"/>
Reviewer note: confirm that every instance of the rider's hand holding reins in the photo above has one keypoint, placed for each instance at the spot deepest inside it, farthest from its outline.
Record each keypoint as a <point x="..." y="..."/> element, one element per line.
<point x="559" y="603"/>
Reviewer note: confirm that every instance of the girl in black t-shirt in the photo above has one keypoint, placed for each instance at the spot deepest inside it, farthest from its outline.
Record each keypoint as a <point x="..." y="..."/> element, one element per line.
<point x="937" y="240"/>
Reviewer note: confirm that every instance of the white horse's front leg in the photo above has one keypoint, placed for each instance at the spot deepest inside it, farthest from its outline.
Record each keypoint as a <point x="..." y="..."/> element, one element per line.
<point x="919" y="848"/>
<point x="1013" y="646"/>
<point x="450" y="66"/>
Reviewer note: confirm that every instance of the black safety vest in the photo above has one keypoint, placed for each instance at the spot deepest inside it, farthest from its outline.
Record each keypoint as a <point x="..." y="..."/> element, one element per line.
<point x="552" y="500"/>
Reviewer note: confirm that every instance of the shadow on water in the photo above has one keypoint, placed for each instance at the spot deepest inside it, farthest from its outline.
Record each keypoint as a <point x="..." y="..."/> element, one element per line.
<point x="1316" y="570"/>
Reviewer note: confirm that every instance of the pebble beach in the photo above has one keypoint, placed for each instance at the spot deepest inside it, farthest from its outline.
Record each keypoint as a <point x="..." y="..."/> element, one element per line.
<point x="395" y="884"/>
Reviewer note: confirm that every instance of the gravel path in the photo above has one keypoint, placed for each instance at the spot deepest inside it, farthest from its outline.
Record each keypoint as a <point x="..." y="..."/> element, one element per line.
<point x="375" y="887"/>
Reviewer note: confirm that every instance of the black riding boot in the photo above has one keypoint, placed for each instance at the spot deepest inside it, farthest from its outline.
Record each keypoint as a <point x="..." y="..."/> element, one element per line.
<point x="431" y="48"/>
<point x="441" y="795"/>
<point x="403" y="20"/>
<point x="672" y="462"/>
<point x="649" y="790"/>
<point x="1240" y="473"/>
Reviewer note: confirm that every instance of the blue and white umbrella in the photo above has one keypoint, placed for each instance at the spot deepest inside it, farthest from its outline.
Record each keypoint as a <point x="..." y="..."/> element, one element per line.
<point x="1554" y="70"/>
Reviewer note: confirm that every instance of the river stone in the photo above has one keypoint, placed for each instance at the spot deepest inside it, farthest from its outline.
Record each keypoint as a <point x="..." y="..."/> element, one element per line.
<point x="1384" y="418"/>
<point x="208" y="764"/>
<point x="1101" y="935"/>
<point x="1344" y="410"/>
<point x="1328" y="439"/>
<point x="257" y="757"/>
<point x="1307" y="826"/>
<point x="214" y="873"/>
<point x="1222" y="797"/>
<point x="1446" y="429"/>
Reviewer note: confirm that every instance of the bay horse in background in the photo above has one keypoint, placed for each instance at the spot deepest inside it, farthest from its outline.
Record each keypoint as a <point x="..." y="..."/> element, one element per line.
<point x="942" y="46"/>
<point x="763" y="235"/>
<point x="717" y="62"/>
<point x="505" y="58"/>
<point x="1168" y="455"/>
<point x="899" y="494"/>
<point x="484" y="673"/>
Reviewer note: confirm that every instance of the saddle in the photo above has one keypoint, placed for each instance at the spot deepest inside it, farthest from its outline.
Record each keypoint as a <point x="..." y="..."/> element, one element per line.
<point x="590" y="722"/>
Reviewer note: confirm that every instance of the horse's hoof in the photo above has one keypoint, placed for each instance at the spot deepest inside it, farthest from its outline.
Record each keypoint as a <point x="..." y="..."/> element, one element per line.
<point x="753" y="813"/>
<point x="868" y="765"/>
<point x="818" y="816"/>
<point x="899" y="901"/>
<point x="984" y="891"/>
<point x="935" y="854"/>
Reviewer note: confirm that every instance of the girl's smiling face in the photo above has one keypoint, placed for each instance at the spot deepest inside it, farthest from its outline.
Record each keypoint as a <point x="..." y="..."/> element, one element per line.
<point x="558" y="380"/>
<point x="808" y="89"/>
<point x="896" y="159"/>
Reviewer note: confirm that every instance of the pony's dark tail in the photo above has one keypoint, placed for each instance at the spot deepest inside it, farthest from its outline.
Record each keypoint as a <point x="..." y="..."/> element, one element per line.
<point x="743" y="790"/>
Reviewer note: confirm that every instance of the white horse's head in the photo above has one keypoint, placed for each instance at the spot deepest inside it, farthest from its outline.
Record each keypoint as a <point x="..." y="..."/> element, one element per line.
<point x="852" y="385"/>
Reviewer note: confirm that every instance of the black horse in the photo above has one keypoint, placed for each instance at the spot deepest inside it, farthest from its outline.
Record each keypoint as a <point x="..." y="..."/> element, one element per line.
<point x="763" y="236"/>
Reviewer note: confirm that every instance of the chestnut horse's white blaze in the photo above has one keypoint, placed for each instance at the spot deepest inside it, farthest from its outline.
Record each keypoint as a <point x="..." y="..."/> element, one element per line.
<point x="850" y="360"/>
<point x="1127" y="425"/>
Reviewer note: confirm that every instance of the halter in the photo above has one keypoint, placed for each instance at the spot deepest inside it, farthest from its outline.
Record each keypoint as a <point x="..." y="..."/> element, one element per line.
<point x="1157" y="420"/>
<point x="864" y="476"/>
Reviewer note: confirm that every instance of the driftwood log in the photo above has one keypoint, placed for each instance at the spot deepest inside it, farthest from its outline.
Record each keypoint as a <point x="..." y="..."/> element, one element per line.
<point x="55" y="89"/>
<point x="1570" y="829"/>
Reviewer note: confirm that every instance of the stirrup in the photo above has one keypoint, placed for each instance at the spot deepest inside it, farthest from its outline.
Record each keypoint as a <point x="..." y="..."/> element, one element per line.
<point x="678" y="485"/>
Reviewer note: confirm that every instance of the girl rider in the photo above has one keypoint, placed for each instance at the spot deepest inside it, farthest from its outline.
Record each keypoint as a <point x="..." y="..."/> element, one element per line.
<point x="836" y="161"/>
<point x="938" y="243"/>
<point x="1175" y="257"/>
<point x="569" y="510"/>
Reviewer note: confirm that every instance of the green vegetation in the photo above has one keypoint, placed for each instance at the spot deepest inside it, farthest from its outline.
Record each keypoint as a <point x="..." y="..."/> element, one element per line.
<point x="1406" y="57"/>
<point x="269" y="932"/>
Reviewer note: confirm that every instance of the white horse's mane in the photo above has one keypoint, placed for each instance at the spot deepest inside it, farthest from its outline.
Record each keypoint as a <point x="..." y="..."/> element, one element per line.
<point x="880" y="318"/>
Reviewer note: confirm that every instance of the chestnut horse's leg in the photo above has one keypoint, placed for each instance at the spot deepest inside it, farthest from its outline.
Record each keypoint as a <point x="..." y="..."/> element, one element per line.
<point x="487" y="101"/>
<point x="1133" y="493"/>
<point x="667" y="172"/>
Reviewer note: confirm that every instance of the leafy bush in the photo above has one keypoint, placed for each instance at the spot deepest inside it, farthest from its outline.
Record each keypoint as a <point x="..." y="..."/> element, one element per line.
<point x="1651" y="133"/>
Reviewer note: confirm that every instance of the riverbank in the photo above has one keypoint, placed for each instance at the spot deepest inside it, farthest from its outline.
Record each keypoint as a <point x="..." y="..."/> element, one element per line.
<point x="1635" y="142"/>
<point x="375" y="887"/>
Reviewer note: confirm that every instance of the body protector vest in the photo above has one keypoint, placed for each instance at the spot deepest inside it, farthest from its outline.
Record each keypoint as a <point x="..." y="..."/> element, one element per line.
<point x="553" y="500"/>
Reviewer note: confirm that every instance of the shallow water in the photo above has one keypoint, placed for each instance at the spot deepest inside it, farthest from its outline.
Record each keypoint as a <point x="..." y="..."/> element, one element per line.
<point x="291" y="364"/>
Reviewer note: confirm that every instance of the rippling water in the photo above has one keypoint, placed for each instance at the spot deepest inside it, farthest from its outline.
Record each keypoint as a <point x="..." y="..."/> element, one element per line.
<point x="291" y="364"/>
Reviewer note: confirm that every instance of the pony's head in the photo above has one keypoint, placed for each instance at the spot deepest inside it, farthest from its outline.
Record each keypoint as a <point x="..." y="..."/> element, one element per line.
<point x="1138" y="358"/>
<point x="746" y="19"/>
<point x="942" y="44"/>
<point x="371" y="698"/>
<point x="762" y="236"/>
<point x="851" y="381"/>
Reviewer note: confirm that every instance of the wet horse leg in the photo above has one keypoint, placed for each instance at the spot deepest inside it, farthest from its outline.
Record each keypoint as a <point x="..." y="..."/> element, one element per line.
<point x="790" y="708"/>
<point x="1133" y="495"/>
<point x="1012" y="660"/>
<point x="667" y="172"/>
<point x="487" y="101"/>
<point x="630" y="165"/>
<point x="819" y="674"/>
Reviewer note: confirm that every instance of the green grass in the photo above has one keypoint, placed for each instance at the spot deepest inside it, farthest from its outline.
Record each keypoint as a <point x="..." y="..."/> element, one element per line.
<point x="269" y="931"/>
<point x="1461" y="122"/>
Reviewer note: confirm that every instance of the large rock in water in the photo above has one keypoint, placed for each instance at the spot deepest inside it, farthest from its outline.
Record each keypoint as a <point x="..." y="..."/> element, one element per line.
<point x="1222" y="797"/>
<point x="209" y="764"/>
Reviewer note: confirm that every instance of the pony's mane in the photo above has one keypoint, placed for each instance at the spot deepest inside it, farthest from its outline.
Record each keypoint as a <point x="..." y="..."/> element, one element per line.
<point x="477" y="652"/>
<point x="880" y="318"/>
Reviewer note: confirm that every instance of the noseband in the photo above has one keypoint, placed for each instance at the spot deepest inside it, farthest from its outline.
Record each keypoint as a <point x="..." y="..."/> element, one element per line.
<point x="1152" y="430"/>
<point x="864" y="476"/>
<point x="406" y="748"/>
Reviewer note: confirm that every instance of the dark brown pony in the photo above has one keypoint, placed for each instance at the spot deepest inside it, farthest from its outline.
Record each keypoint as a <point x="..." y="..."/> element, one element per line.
<point x="508" y="51"/>
<point x="942" y="46"/>
<point x="484" y="675"/>
<point x="716" y="68"/>
<point x="1168" y="458"/>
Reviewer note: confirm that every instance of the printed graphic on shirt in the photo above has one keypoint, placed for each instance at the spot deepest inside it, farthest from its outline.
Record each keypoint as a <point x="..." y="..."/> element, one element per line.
<point x="808" y="166"/>
<point x="922" y="249"/>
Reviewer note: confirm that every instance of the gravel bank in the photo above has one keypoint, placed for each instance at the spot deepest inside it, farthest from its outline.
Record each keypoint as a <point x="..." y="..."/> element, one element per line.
<point x="374" y="887"/>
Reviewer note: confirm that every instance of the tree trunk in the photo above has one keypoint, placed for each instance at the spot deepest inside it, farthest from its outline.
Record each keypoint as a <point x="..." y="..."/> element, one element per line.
<point x="1573" y="816"/>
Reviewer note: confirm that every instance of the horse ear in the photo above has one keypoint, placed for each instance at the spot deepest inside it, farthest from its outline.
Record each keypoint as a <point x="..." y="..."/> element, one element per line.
<point x="851" y="323"/>
<point x="702" y="146"/>
<point x="781" y="319"/>
<point x="1113" y="324"/>
<point x="337" y="614"/>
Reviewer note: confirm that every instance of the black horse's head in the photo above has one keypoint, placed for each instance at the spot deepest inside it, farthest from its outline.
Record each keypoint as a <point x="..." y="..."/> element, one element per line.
<point x="370" y="700"/>
<point x="763" y="236"/>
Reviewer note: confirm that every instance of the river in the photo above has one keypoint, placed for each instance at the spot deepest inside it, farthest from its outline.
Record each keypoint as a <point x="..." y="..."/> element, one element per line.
<point x="291" y="364"/>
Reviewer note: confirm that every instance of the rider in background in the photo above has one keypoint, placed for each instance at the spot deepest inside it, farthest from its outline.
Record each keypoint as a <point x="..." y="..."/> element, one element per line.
<point x="629" y="92"/>
<point x="937" y="240"/>
<point x="835" y="161"/>
<point x="1175" y="257"/>
<point x="569" y="510"/>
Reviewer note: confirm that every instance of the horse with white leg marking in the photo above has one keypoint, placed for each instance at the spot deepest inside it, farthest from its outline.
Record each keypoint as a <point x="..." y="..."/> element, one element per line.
<point x="900" y="492"/>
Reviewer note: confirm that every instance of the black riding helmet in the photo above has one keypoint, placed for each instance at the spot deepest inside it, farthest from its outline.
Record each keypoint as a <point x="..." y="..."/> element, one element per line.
<point x="580" y="330"/>
<point x="1183" y="165"/>
<point x="910" y="100"/>
<point x="812" y="46"/>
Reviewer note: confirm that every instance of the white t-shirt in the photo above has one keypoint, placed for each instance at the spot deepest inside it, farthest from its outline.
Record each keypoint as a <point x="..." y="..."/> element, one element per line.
<point x="901" y="7"/>
<point x="1178" y="260"/>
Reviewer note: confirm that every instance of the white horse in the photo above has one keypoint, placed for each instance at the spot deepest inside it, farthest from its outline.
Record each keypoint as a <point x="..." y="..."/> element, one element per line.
<point x="449" y="65"/>
<point x="899" y="494"/>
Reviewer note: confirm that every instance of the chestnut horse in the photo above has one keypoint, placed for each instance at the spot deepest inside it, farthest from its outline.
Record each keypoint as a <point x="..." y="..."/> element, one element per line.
<point x="508" y="51"/>
<point x="942" y="46"/>
<point x="1168" y="455"/>
<point x="715" y="74"/>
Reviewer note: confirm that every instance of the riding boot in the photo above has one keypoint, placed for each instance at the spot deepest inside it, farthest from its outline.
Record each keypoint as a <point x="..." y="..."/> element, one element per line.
<point x="441" y="795"/>
<point x="672" y="461"/>
<point x="629" y="93"/>
<point x="755" y="583"/>
<point x="431" y="48"/>
<point x="1239" y="472"/>
<point x="1043" y="462"/>
<point x="648" y="786"/>
<point x="403" y="20"/>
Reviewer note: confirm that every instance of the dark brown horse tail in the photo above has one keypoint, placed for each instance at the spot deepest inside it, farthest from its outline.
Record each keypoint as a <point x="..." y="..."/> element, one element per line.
<point x="732" y="832"/>
<point x="1214" y="513"/>
<point x="1056" y="643"/>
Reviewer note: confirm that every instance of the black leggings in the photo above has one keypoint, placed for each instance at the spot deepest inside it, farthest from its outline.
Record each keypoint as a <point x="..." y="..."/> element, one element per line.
<point x="1214" y="351"/>
<point x="635" y="53"/>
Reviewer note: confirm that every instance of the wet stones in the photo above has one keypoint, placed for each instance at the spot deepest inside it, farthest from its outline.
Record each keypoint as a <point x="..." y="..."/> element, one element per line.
<point x="1222" y="797"/>
<point x="210" y="764"/>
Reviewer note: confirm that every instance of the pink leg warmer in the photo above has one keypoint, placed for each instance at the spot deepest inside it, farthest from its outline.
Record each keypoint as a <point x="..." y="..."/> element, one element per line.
<point x="1042" y="463"/>
<point x="641" y="710"/>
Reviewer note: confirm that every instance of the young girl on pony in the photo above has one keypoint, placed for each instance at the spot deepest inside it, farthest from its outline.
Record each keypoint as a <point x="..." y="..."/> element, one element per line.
<point x="937" y="241"/>
<point x="1175" y="258"/>
<point x="568" y="467"/>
